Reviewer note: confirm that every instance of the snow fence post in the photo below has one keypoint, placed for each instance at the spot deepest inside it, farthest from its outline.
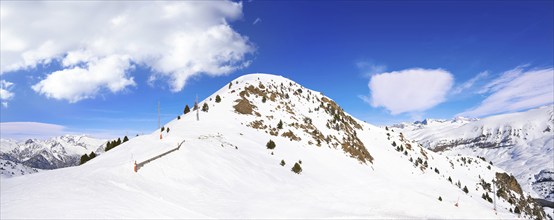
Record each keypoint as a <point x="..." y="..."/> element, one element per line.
<point x="135" y="167"/>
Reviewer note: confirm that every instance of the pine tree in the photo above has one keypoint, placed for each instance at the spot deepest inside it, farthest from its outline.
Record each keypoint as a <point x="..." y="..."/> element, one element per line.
<point x="516" y="210"/>
<point x="270" y="145"/>
<point x="162" y="129"/>
<point x="440" y="198"/>
<point x="118" y="142"/>
<point x="450" y="179"/>
<point x="178" y="117"/>
<point x="280" y="125"/>
<point x="296" y="168"/>
<point x="282" y="163"/>
<point x="91" y="155"/>
<point x="84" y="159"/>
<point x="465" y="189"/>
<point x="125" y="139"/>
<point x="187" y="109"/>
<point x="217" y="99"/>
<point x="230" y="84"/>
<point x="167" y="129"/>
<point x="264" y="99"/>
<point x="108" y="146"/>
<point x="205" y="107"/>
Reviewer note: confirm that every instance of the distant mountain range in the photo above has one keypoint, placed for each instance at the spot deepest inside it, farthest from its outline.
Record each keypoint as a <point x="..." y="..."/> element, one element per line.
<point x="57" y="152"/>
<point x="521" y="143"/>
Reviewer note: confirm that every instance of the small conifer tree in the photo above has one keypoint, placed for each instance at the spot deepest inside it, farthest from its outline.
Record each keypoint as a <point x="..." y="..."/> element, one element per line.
<point x="108" y="146"/>
<point x="163" y="129"/>
<point x="178" y="117"/>
<point x="264" y="99"/>
<point x="125" y="139"/>
<point x="187" y="109"/>
<point x="270" y="145"/>
<point x="280" y="125"/>
<point x="465" y="189"/>
<point x="205" y="107"/>
<point x="282" y="163"/>
<point x="296" y="168"/>
<point x="91" y="155"/>
<point x="217" y="99"/>
<point x="167" y="129"/>
<point x="440" y="198"/>
<point x="84" y="159"/>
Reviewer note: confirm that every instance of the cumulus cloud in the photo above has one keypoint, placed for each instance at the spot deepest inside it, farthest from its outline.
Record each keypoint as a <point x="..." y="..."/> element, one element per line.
<point x="175" y="39"/>
<point x="5" y="93"/>
<point x="515" y="90"/>
<point x="410" y="90"/>
<point x="76" y="83"/>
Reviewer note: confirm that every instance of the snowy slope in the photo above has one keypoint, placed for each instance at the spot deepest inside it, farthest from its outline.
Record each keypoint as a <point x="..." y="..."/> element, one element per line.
<point x="350" y="169"/>
<point x="11" y="169"/>
<point x="57" y="152"/>
<point x="521" y="143"/>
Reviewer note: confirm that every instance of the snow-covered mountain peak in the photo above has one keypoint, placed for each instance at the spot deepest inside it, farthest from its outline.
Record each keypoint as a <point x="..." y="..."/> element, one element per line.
<point x="263" y="144"/>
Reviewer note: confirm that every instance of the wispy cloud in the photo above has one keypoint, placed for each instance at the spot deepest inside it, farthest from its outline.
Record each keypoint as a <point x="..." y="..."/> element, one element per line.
<point x="470" y="83"/>
<point x="369" y="68"/>
<point x="410" y="90"/>
<point x="38" y="130"/>
<point x="25" y="130"/>
<point x="258" y="20"/>
<point x="515" y="90"/>
<point x="175" y="39"/>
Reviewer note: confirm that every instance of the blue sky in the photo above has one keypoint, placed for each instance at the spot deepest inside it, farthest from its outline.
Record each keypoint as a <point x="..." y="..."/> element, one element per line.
<point x="383" y="62"/>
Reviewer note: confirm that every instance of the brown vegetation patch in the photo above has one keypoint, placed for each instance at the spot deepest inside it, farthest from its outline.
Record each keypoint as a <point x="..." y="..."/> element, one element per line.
<point x="244" y="106"/>
<point x="289" y="134"/>
<point x="258" y="124"/>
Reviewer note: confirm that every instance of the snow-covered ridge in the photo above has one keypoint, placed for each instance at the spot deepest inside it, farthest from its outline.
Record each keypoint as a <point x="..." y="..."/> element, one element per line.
<point x="224" y="169"/>
<point x="521" y="143"/>
<point x="56" y="152"/>
<point x="11" y="169"/>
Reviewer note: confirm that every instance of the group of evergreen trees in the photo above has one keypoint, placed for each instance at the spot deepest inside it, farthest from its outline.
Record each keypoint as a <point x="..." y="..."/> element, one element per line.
<point x="87" y="157"/>
<point x="112" y="144"/>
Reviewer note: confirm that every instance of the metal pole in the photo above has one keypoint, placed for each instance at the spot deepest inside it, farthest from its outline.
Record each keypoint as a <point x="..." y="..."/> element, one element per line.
<point x="197" y="109"/>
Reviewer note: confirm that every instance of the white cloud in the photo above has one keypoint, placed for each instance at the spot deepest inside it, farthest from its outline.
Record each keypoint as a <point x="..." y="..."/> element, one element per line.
<point x="516" y="90"/>
<point x="468" y="84"/>
<point x="410" y="90"/>
<point x="258" y="20"/>
<point x="5" y="93"/>
<point x="24" y="130"/>
<point x="175" y="39"/>
<point x="76" y="83"/>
